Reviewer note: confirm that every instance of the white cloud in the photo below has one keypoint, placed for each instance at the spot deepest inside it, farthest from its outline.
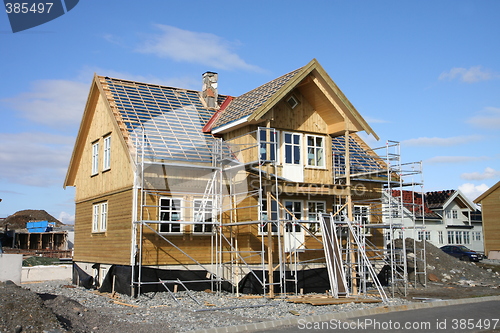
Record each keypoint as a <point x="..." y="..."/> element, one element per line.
<point x="66" y="218"/>
<point x="455" y="159"/>
<point x="471" y="75"/>
<point x="472" y="191"/>
<point x="194" y="47"/>
<point x="442" y="142"/>
<point x="488" y="173"/>
<point x="55" y="103"/>
<point x="489" y="118"/>
<point x="34" y="158"/>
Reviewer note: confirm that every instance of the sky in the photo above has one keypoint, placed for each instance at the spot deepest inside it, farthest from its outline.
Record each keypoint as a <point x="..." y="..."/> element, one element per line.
<point x="423" y="73"/>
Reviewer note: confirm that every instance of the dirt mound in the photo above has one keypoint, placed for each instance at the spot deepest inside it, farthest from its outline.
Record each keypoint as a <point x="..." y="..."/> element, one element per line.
<point x="444" y="268"/>
<point x="23" y="311"/>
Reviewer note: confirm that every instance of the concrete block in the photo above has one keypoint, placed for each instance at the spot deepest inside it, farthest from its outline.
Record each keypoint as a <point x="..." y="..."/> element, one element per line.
<point x="47" y="273"/>
<point x="10" y="267"/>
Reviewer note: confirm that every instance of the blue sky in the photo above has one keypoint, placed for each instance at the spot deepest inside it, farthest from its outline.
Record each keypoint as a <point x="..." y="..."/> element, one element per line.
<point x="424" y="73"/>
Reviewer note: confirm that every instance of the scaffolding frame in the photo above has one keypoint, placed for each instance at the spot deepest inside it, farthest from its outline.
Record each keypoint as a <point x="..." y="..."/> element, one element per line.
<point x="223" y="175"/>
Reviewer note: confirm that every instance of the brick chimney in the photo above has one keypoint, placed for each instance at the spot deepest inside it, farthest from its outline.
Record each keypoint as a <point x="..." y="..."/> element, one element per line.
<point x="209" y="90"/>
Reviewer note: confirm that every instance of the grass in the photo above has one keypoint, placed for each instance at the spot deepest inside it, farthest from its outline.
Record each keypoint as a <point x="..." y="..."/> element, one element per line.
<point x="40" y="261"/>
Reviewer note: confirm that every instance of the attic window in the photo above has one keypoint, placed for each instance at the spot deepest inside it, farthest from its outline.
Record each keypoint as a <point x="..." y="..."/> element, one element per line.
<point x="292" y="101"/>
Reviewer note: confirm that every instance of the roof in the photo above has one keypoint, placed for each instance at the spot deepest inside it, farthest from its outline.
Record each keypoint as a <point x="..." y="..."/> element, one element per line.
<point x="362" y="160"/>
<point x="19" y="219"/>
<point x="487" y="193"/>
<point x="413" y="202"/>
<point x="437" y="199"/>
<point x="249" y="102"/>
<point x="174" y="124"/>
<point x="314" y="83"/>
<point x="170" y="120"/>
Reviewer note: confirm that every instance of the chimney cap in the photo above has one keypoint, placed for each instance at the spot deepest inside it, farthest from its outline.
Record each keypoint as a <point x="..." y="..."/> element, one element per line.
<point x="209" y="72"/>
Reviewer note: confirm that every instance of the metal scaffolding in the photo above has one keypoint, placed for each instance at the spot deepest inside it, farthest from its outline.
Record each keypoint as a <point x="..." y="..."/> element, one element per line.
<point x="225" y="191"/>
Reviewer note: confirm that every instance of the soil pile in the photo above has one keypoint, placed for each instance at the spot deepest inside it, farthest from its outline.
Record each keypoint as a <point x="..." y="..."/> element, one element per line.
<point x="23" y="311"/>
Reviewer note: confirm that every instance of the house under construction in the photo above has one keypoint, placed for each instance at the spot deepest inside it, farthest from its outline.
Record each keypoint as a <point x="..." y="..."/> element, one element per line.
<point x="269" y="192"/>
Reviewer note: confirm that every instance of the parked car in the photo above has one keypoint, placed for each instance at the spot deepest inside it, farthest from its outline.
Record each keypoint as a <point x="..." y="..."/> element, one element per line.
<point x="462" y="252"/>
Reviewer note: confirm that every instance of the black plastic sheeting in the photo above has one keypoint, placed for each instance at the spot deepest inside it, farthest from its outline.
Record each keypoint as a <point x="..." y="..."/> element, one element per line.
<point x="310" y="281"/>
<point x="82" y="279"/>
<point x="122" y="275"/>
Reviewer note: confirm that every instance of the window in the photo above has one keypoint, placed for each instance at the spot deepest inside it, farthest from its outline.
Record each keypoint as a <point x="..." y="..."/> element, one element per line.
<point x="292" y="101"/>
<point x="361" y="214"/>
<point x="106" y="165"/>
<point x="313" y="209"/>
<point x="294" y="207"/>
<point x="95" y="158"/>
<point x="170" y="211"/>
<point x="455" y="214"/>
<point x="424" y="235"/>
<point x="203" y="212"/>
<point x="100" y="217"/>
<point x="292" y="148"/>
<point x="264" y="216"/>
<point x="268" y="139"/>
<point x="466" y="237"/>
<point x="476" y="235"/>
<point x="440" y="237"/>
<point x="315" y="151"/>
<point x="451" y="239"/>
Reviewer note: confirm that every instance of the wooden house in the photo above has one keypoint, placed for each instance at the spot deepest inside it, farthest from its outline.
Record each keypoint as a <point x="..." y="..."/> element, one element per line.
<point x="174" y="179"/>
<point x="490" y="207"/>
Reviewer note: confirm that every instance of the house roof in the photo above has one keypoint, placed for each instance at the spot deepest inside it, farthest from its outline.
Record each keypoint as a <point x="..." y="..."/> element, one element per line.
<point x="171" y="119"/>
<point x="487" y="193"/>
<point x="19" y="219"/>
<point x="174" y="124"/>
<point x="437" y="199"/>
<point x="249" y="102"/>
<point x="317" y="87"/>
<point x="413" y="202"/>
<point x="441" y="199"/>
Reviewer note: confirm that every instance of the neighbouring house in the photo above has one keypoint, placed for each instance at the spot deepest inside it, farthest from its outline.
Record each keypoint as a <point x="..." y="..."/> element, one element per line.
<point x="490" y="209"/>
<point x="35" y="232"/>
<point x="209" y="188"/>
<point x="448" y="218"/>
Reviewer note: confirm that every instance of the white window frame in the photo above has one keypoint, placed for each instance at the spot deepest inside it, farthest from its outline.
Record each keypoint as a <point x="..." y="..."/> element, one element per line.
<point x="170" y="223"/>
<point x="95" y="158"/>
<point x="106" y="159"/>
<point x="203" y="214"/>
<point x="264" y="216"/>
<point x="440" y="237"/>
<point x="314" y="226"/>
<point x="298" y="228"/>
<point x="454" y="213"/>
<point x="269" y="144"/>
<point x="293" y="146"/>
<point x="317" y="152"/>
<point x="100" y="217"/>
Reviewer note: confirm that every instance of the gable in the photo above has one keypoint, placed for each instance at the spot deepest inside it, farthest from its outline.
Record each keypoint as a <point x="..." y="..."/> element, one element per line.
<point x="314" y="85"/>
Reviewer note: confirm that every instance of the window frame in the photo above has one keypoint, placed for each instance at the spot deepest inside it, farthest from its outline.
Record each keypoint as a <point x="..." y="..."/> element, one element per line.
<point x="95" y="158"/>
<point x="106" y="159"/>
<point x="314" y="226"/>
<point x="210" y="212"/>
<point x="100" y="217"/>
<point x="318" y="151"/>
<point x="174" y="202"/>
<point x="264" y="218"/>
<point x="293" y="148"/>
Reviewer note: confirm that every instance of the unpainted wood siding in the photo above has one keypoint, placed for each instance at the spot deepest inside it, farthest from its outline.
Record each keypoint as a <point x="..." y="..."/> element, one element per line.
<point x="120" y="174"/>
<point x="112" y="246"/>
<point x="490" y="206"/>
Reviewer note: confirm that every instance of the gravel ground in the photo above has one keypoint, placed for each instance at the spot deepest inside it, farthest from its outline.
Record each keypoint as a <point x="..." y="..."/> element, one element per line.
<point x="83" y="310"/>
<point x="58" y="306"/>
